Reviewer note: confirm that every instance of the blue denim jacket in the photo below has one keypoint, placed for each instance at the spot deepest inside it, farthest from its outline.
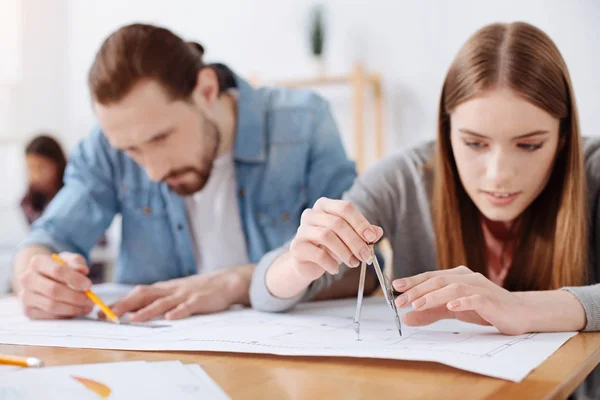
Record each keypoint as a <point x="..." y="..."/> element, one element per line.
<point x="288" y="153"/>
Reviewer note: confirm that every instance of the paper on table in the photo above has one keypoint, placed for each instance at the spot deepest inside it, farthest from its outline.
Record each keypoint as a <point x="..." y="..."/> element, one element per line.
<point x="314" y="329"/>
<point x="190" y="378"/>
<point x="6" y="369"/>
<point x="119" y="380"/>
<point x="126" y="380"/>
<point x="208" y="384"/>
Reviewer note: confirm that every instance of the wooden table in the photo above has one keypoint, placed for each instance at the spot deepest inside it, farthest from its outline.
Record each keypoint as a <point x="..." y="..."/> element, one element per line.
<point x="245" y="376"/>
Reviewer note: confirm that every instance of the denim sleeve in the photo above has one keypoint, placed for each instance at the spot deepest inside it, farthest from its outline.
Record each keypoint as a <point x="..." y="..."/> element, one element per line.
<point x="84" y="208"/>
<point x="330" y="171"/>
<point x="330" y="174"/>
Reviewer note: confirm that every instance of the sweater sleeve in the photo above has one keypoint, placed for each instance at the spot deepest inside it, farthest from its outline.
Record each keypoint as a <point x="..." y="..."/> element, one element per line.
<point x="589" y="295"/>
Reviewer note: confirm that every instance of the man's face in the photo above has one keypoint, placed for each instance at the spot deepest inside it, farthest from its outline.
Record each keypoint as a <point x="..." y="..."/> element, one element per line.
<point x="173" y="141"/>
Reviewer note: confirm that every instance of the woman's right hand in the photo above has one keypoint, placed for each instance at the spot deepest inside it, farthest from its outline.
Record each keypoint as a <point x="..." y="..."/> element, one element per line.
<point x="331" y="232"/>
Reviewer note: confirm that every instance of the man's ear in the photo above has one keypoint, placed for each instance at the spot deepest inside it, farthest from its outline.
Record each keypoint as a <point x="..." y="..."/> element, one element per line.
<point x="206" y="91"/>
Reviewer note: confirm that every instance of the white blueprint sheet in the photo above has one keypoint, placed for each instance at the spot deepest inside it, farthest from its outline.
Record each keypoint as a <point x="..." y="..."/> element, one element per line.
<point x="313" y="329"/>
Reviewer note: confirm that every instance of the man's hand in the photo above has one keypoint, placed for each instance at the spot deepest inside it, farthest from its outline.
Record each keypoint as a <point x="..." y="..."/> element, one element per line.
<point x="49" y="290"/>
<point x="183" y="297"/>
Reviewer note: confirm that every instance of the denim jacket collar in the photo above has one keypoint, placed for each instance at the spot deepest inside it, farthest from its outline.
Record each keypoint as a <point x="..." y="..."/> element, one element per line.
<point x="250" y="141"/>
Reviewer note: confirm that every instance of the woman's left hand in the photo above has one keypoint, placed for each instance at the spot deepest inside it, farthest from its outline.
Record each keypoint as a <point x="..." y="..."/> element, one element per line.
<point x="461" y="294"/>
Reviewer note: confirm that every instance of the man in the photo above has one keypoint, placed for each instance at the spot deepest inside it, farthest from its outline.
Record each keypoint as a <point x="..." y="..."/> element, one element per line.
<point x="208" y="174"/>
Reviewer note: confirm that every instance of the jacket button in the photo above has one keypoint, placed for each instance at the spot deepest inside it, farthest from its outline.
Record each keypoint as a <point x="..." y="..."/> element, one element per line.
<point x="147" y="210"/>
<point x="241" y="192"/>
<point x="285" y="216"/>
<point x="179" y="227"/>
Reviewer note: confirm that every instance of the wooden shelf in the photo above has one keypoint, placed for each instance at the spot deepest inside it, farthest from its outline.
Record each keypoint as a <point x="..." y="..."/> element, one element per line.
<point x="359" y="81"/>
<point x="324" y="81"/>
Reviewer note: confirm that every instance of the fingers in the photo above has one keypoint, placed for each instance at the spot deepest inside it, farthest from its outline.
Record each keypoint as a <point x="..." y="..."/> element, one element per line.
<point x="140" y="297"/>
<point x="336" y="258"/>
<point x="51" y="308"/>
<point x="198" y="303"/>
<point x="405" y="284"/>
<point x="52" y="290"/>
<point x="58" y="291"/>
<point x="75" y="261"/>
<point x="436" y="288"/>
<point x="329" y="240"/>
<point x="422" y="318"/>
<point x="446" y="296"/>
<point x="67" y="275"/>
<point x="350" y="213"/>
<point x="475" y="302"/>
<point x="456" y="293"/>
<point x="350" y="246"/>
<point x="179" y="312"/>
<point x="475" y="309"/>
<point x="36" y="313"/>
<point x="441" y="297"/>
<point x="307" y="252"/>
<point x="333" y="231"/>
<point x="158" y="308"/>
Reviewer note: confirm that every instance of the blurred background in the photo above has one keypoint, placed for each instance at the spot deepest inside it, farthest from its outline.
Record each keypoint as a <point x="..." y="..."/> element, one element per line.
<point x="400" y="48"/>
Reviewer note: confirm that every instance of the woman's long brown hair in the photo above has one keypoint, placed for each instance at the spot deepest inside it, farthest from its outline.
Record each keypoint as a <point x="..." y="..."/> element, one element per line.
<point x="551" y="244"/>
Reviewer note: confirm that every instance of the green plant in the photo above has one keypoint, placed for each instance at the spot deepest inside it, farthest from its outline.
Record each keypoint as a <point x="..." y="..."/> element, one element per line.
<point x="317" y="32"/>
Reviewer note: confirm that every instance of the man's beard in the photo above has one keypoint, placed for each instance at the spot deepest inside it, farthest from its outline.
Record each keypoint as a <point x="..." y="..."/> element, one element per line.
<point x="201" y="174"/>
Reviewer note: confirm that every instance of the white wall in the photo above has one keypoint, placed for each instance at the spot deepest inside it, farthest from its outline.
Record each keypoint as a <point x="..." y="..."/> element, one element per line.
<point x="34" y="99"/>
<point x="411" y="43"/>
<point x="10" y="40"/>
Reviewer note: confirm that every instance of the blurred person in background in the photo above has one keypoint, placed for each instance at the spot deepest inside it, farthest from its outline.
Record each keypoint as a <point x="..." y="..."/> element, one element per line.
<point x="46" y="162"/>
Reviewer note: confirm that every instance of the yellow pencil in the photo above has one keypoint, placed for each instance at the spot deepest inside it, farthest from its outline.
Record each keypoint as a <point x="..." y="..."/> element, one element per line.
<point x="105" y="309"/>
<point x="21" y="361"/>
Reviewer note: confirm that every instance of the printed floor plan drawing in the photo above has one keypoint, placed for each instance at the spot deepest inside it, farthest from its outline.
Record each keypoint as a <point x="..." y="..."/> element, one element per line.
<point x="313" y="329"/>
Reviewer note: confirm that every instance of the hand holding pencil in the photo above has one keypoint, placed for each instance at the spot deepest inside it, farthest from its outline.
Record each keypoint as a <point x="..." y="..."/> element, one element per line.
<point x="50" y="290"/>
<point x="105" y="309"/>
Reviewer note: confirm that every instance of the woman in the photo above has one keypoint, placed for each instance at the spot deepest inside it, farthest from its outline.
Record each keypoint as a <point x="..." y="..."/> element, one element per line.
<point x="46" y="162"/>
<point x="489" y="224"/>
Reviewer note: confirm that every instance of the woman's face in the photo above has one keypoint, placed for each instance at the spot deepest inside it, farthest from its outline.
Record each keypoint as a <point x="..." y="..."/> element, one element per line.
<point x="504" y="149"/>
<point x="41" y="173"/>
